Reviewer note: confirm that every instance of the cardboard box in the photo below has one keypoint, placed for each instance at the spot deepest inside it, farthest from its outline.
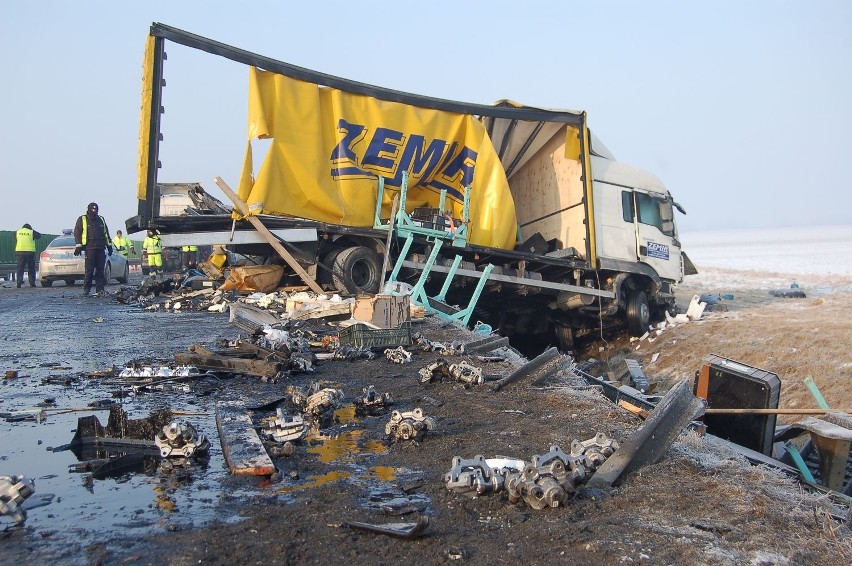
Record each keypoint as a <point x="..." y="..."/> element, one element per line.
<point x="383" y="311"/>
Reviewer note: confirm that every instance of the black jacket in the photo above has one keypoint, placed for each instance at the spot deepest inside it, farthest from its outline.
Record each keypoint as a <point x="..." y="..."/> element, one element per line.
<point x="97" y="233"/>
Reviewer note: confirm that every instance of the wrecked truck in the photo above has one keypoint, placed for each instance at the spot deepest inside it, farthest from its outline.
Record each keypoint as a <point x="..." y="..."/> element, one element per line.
<point x="517" y="214"/>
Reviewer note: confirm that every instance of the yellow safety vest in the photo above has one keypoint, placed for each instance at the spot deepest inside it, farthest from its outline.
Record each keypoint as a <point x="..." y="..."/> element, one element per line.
<point x="24" y="240"/>
<point x="152" y="245"/>
<point x="122" y="245"/>
<point x="189" y="248"/>
<point x="84" y="237"/>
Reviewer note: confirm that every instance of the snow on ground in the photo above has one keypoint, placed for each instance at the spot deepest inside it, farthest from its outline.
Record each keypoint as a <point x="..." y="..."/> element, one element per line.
<point x="818" y="259"/>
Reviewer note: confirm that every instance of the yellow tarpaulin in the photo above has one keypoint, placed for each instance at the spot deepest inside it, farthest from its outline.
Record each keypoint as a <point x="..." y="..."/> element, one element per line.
<point x="328" y="148"/>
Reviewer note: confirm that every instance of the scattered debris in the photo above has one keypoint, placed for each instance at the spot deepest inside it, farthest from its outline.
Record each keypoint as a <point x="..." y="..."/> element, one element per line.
<point x="243" y="450"/>
<point x="284" y="428"/>
<point x="400" y="530"/>
<point x="13" y="491"/>
<point x="181" y="439"/>
<point x="371" y="403"/>
<point x="408" y="425"/>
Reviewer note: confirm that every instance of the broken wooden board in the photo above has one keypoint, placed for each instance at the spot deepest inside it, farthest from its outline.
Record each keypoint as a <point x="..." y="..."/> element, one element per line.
<point x="244" y="452"/>
<point x="205" y="359"/>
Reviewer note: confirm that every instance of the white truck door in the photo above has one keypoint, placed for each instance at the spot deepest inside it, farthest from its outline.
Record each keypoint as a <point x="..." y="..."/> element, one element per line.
<point x="656" y="235"/>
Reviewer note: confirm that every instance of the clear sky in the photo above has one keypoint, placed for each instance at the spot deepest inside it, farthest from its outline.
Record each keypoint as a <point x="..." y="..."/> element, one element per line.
<point x="743" y="109"/>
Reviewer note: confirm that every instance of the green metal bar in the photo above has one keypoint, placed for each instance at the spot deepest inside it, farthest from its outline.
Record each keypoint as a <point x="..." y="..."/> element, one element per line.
<point x="418" y="293"/>
<point x="812" y="387"/>
<point x="800" y="463"/>
<point x="452" y="273"/>
<point x="399" y="260"/>
<point x="463" y="316"/>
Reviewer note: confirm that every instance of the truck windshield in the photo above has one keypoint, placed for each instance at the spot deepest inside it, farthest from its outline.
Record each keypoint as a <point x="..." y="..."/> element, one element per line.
<point x="649" y="210"/>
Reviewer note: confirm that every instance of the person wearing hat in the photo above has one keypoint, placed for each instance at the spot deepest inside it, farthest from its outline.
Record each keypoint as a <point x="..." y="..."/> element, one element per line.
<point x="122" y="244"/>
<point x="25" y="249"/>
<point x="154" y="249"/>
<point x="92" y="235"/>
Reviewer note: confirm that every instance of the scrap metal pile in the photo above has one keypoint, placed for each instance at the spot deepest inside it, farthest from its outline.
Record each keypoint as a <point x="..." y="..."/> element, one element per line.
<point x="548" y="480"/>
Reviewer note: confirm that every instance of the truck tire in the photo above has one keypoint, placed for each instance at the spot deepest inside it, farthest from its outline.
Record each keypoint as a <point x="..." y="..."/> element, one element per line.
<point x="68" y="282"/>
<point x="564" y="337"/>
<point x="638" y="313"/>
<point x="356" y="269"/>
<point x="46" y="282"/>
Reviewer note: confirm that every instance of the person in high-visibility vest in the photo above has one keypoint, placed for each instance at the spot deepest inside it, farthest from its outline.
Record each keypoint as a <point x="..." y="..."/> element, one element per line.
<point x="91" y="233"/>
<point x="190" y="256"/>
<point x="25" y="249"/>
<point x="154" y="248"/>
<point x="122" y="244"/>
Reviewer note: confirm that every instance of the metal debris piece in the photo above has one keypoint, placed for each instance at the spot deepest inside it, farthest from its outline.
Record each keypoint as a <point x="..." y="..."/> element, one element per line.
<point x="316" y="403"/>
<point x="473" y="477"/>
<point x="637" y="376"/>
<point x="456" y="347"/>
<point x="547" y="481"/>
<point x="648" y="444"/>
<point x="527" y="369"/>
<point x="159" y="371"/>
<point x="401" y="530"/>
<point x="462" y="372"/>
<point x="466" y="373"/>
<point x="398" y="355"/>
<point x="13" y="491"/>
<point x="408" y="425"/>
<point x="284" y="428"/>
<point x="350" y="353"/>
<point x="371" y="402"/>
<point x="181" y="440"/>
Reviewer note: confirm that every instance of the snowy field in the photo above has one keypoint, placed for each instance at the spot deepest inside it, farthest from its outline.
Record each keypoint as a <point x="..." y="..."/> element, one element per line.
<point x="820" y="250"/>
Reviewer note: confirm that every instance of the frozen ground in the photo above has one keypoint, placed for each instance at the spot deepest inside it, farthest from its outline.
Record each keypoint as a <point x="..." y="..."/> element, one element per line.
<point x="821" y="250"/>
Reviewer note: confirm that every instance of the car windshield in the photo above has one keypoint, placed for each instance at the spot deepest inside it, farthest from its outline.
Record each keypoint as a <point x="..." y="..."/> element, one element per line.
<point x="62" y="242"/>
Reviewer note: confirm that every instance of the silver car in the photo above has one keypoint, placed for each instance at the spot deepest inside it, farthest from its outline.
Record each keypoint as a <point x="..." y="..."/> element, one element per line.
<point x="58" y="263"/>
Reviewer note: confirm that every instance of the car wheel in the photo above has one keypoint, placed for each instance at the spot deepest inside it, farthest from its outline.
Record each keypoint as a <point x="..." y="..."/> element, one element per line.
<point x="46" y="282"/>
<point x="107" y="273"/>
<point x="638" y="313"/>
<point x="357" y="269"/>
<point x="70" y="282"/>
<point x="123" y="279"/>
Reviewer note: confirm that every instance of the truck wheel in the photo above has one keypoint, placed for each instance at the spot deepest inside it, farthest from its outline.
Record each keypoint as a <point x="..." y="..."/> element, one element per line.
<point x="46" y="282"/>
<point x="564" y="337"/>
<point x="638" y="313"/>
<point x="68" y="283"/>
<point x="357" y="269"/>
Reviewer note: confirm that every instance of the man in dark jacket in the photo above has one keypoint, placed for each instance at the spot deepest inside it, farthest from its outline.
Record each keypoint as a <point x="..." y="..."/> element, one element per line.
<point x="25" y="249"/>
<point x="92" y="235"/>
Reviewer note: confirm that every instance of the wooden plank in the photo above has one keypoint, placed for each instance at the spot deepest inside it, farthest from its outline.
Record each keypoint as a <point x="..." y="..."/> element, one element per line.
<point x="269" y="236"/>
<point x="244" y="452"/>
<point x="203" y="358"/>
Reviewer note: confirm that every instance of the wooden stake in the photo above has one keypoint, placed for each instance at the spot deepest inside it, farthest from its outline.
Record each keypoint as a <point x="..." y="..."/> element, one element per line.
<point x="269" y="236"/>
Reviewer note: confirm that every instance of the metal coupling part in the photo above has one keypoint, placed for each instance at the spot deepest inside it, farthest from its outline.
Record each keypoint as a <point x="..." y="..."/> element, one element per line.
<point x="322" y="400"/>
<point x="398" y="355"/>
<point x="466" y="373"/>
<point x="13" y="491"/>
<point x="371" y="402"/>
<point x="594" y="451"/>
<point x="284" y="428"/>
<point x="408" y="425"/>
<point x="181" y="440"/>
<point x="473" y="477"/>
